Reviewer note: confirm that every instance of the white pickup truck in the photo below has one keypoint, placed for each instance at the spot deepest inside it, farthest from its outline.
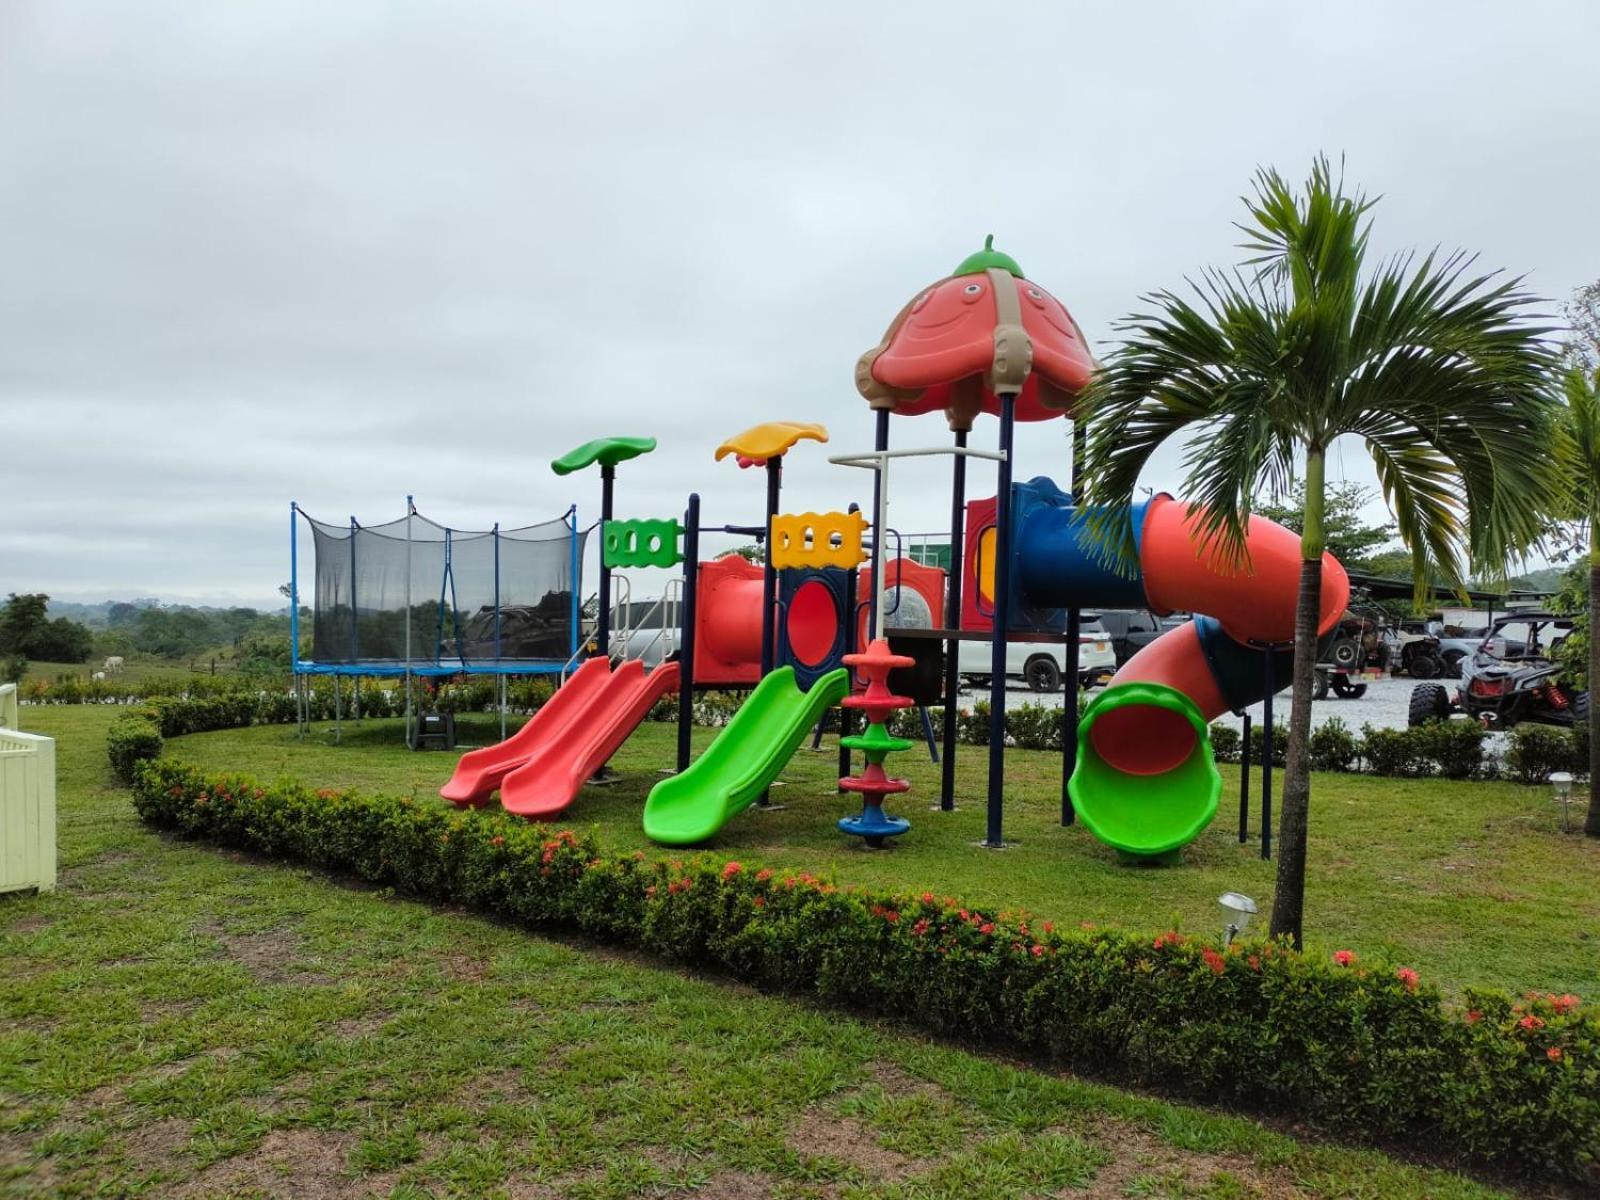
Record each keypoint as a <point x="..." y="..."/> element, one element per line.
<point x="1042" y="664"/>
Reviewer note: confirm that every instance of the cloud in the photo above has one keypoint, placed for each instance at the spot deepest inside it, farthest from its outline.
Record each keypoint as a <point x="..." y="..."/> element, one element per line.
<point x="343" y="253"/>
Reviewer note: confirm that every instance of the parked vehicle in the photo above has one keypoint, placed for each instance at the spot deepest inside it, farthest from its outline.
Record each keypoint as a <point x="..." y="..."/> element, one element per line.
<point x="1130" y="630"/>
<point x="1415" y="652"/>
<point x="1503" y="691"/>
<point x="1043" y="664"/>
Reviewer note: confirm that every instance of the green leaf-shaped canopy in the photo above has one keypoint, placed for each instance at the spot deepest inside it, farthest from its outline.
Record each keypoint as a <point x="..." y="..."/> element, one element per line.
<point x="608" y="452"/>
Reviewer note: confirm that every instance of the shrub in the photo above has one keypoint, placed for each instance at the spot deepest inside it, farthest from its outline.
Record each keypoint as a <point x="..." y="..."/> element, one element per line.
<point x="1454" y="748"/>
<point x="1534" y="751"/>
<point x="1280" y="743"/>
<point x="1392" y="751"/>
<point x="132" y="738"/>
<point x="1333" y="747"/>
<point x="1035" y="726"/>
<point x="1356" y="1047"/>
<point x="181" y="715"/>
<point x="1225" y="742"/>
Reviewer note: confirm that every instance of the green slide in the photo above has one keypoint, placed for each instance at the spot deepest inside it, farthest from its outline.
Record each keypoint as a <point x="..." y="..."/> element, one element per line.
<point x="746" y="756"/>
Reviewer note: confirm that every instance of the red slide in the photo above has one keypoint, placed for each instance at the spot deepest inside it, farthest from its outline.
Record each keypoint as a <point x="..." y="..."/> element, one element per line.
<point x="549" y="780"/>
<point x="593" y="709"/>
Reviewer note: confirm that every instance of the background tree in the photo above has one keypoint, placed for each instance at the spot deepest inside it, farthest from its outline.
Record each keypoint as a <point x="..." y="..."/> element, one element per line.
<point x="1431" y="365"/>
<point x="1349" y="537"/>
<point x="20" y="619"/>
<point x="1578" y="450"/>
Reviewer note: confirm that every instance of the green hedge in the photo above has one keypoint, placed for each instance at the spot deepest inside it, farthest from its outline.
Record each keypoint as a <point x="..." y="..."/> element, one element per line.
<point x="133" y="738"/>
<point x="1356" y="1047"/>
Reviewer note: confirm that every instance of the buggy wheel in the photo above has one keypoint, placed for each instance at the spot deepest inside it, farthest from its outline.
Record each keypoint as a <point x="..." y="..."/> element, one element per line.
<point x="1423" y="666"/>
<point x="1429" y="702"/>
<point x="1346" y="690"/>
<point x="1580" y="709"/>
<point x="1320" y="692"/>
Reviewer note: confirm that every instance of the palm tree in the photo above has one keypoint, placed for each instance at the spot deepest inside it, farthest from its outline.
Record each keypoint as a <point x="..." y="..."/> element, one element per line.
<point x="1433" y="366"/>
<point x="1579" y="453"/>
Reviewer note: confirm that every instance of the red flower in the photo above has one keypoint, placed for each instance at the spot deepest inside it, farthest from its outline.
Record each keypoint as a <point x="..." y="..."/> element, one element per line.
<point x="927" y="897"/>
<point x="1344" y="957"/>
<point x="920" y="928"/>
<point x="497" y="840"/>
<point x="731" y="869"/>
<point x="986" y="928"/>
<point x="1255" y="962"/>
<point x="1408" y="977"/>
<point x="1531" y="1022"/>
<point x="1553" y="1054"/>
<point x="651" y="890"/>
<point x="1564" y="1004"/>
<point x="1038" y="950"/>
<point x="1048" y="927"/>
<point x="1213" y="960"/>
<point x="764" y="874"/>
<point x="759" y="901"/>
<point x="1473" y="1016"/>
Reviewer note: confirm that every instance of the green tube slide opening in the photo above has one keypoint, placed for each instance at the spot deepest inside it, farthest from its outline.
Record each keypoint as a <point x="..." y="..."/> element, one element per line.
<point x="1146" y="782"/>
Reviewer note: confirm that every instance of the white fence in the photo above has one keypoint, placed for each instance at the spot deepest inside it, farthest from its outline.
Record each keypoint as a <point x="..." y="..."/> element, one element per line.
<point x="27" y="802"/>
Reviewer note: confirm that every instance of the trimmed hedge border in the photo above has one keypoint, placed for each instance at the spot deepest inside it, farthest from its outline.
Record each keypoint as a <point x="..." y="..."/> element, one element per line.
<point x="1361" y="1048"/>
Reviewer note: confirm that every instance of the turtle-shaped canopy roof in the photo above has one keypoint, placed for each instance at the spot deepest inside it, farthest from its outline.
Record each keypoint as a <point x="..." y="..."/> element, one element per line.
<point x="982" y="332"/>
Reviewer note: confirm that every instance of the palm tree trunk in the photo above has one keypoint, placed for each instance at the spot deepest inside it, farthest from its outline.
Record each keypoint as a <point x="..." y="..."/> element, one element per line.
<point x="1592" y="825"/>
<point x="1289" y="895"/>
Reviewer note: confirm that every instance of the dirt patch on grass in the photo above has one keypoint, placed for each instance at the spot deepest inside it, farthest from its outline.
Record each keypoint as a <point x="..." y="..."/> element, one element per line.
<point x="271" y="955"/>
<point x="306" y="1164"/>
<point x="1140" y="1159"/>
<point x="820" y="1133"/>
<point x="896" y="1082"/>
<point x="734" y="1185"/>
<point x="157" y="1145"/>
<point x="31" y="923"/>
<point x="458" y="965"/>
<point x="350" y="1028"/>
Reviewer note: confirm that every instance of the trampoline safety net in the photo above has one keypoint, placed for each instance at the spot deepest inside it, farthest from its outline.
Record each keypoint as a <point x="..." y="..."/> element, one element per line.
<point x="416" y="595"/>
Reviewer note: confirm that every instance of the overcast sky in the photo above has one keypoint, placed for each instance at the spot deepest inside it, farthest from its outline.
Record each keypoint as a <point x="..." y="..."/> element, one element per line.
<point x="336" y="253"/>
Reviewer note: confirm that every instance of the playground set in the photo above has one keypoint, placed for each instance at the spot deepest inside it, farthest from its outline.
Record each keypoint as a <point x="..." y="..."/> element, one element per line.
<point x="825" y="622"/>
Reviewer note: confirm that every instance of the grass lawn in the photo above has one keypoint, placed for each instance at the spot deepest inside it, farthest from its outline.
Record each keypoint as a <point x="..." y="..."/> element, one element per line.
<point x="1469" y="883"/>
<point x="178" y="1021"/>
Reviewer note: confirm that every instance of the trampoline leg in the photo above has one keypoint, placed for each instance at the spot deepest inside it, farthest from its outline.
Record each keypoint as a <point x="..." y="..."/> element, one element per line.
<point x="338" y="711"/>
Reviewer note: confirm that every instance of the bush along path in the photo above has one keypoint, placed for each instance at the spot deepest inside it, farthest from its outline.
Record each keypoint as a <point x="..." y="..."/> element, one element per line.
<point x="1356" y="1047"/>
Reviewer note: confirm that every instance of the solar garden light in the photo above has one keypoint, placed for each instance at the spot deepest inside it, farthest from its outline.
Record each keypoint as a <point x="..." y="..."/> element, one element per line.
<point x="1561" y="785"/>
<point x="1237" y="909"/>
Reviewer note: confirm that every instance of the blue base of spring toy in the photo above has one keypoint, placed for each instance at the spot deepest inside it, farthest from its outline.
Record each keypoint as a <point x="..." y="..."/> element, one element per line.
<point x="873" y="825"/>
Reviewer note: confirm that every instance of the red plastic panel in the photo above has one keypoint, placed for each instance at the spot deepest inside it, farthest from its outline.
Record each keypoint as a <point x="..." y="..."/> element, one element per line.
<point x="813" y="624"/>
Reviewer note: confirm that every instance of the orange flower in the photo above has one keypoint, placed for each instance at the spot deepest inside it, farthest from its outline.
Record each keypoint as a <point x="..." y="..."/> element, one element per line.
<point x="1408" y="977"/>
<point x="1344" y="957"/>
<point x="1553" y="1054"/>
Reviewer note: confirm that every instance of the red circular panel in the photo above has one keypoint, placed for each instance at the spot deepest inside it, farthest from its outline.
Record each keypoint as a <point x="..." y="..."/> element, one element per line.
<point x="813" y="623"/>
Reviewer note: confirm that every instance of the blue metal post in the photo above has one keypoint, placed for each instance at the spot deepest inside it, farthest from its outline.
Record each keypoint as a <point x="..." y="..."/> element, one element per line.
<point x="354" y="640"/>
<point x="608" y="479"/>
<point x="952" y="620"/>
<point x="1266" y="758"/>
<point x="577" y="586"/>
<point x="294" y="586"/>
<point x="444" y="586"/>
<point x="1074" y="646"/>
<point x="769" y="576"/>
<point x="995" y="832"/>
<point x="691" y="588"/>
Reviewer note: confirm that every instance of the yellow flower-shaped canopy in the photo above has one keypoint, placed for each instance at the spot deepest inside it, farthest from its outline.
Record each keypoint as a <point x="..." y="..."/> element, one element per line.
<point x="761" y="442"/>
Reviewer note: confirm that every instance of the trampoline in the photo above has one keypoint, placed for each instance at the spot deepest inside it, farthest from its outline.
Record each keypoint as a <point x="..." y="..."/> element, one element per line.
<point x="411" y="597"/>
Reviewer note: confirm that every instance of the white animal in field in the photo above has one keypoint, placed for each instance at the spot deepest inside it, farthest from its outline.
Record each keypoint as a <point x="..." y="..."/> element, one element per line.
<point x="113" y="664"/>
<point x="98" y="676"/>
